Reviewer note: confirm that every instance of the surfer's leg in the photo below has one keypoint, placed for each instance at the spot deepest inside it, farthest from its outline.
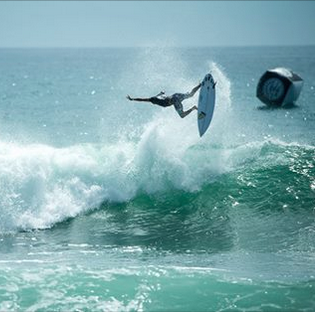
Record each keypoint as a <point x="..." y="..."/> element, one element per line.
<point x="183" y="114"/>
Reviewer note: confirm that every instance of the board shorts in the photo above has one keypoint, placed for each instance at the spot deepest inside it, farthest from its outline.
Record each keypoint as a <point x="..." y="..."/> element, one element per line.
<point x="176" y="100"/>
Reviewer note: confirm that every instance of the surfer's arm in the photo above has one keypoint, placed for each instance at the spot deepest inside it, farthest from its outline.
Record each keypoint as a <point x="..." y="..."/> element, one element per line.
<point x="138" y="99"/>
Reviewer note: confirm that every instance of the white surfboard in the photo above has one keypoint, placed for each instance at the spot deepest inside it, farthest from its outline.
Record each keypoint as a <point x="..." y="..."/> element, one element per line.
<point x="206" y="103"/>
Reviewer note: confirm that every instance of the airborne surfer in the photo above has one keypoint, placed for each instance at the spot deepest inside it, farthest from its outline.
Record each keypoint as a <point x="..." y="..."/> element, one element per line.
<point x="176" y="99"/>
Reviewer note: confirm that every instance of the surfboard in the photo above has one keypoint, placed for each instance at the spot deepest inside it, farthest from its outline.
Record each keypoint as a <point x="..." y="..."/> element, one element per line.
<point x="206" y="103"/>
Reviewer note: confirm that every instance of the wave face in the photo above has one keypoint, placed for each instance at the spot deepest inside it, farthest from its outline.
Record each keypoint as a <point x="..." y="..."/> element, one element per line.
<point x="240" y="237"/>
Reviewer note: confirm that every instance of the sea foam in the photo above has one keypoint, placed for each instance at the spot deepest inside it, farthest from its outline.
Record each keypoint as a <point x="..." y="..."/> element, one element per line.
<point x="42" y="185"/>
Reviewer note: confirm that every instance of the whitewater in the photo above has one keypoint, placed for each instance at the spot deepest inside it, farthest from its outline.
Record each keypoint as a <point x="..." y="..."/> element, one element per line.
<point x="43" y="185"/>
<point x="114" y="205"/>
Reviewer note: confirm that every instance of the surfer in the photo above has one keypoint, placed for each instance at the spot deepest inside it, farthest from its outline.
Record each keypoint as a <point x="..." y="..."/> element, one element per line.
<point x="176" y="99"/>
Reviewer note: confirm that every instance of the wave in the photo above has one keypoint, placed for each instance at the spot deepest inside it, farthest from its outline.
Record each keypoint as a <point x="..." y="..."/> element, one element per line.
<point x="42" y="185"/>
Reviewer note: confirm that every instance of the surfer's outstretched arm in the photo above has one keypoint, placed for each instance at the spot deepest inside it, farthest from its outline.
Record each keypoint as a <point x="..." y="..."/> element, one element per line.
<point x="138" y="99"/>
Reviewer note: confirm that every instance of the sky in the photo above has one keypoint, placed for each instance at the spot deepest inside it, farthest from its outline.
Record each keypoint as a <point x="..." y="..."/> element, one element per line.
<point x="145" y="23"/>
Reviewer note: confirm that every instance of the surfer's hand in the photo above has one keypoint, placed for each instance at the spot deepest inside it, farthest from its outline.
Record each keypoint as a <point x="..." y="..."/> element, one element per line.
<point x="162" y="92"/>
<point x="129" y="98"/>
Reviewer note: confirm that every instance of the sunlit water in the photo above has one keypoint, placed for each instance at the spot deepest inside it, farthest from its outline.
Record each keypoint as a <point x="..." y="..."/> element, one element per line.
<point x="111" y="205"/>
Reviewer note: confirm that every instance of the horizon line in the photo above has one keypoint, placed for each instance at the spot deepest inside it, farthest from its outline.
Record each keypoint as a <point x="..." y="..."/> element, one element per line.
<point x="152" y="46"/>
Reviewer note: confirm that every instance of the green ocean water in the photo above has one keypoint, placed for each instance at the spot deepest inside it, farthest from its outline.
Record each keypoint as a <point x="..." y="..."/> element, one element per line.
<point x="108" y="205"/>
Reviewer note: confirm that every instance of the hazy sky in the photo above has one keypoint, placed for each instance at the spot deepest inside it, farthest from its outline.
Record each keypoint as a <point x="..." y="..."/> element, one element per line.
<point x="143" y="23"/>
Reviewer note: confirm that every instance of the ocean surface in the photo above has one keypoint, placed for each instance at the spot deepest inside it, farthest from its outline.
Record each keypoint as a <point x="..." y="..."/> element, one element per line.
<point x="112" y="205"/>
